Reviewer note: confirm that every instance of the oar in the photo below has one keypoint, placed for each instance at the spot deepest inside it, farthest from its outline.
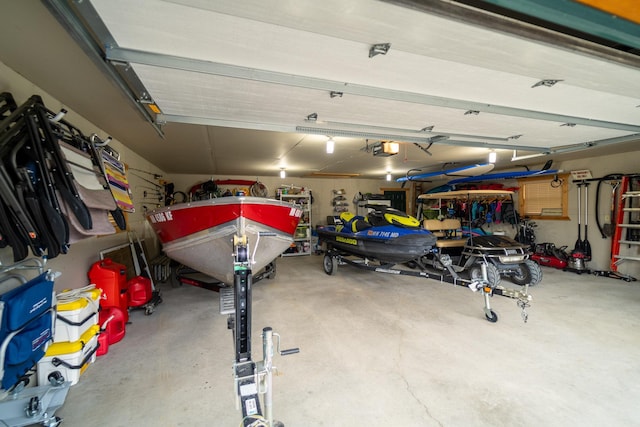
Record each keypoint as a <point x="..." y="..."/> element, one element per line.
<point x="586" y="246"/>
<point x="578" y="246"/>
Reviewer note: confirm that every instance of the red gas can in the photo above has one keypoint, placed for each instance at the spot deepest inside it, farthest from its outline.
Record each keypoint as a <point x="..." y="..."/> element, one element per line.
<point x="140" y="291"/>
<point x="111" y="277"/>
<point x="113" y="324"/>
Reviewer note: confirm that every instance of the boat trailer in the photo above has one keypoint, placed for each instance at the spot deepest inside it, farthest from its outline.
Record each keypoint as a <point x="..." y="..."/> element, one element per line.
<point x="251" y="379"/>
<point x="333" y="258"/>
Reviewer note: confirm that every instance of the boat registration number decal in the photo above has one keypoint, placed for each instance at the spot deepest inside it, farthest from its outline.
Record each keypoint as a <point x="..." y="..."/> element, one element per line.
<point x="383" y="233"/>
<point x="347" y="240"/>
<point x="161" y="217"/>
<point x="295" y="212"/>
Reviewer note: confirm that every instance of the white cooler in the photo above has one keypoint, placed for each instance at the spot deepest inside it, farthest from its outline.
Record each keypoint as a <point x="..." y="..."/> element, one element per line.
<point x="71" y="359"/>
<point x="76" y="315"/>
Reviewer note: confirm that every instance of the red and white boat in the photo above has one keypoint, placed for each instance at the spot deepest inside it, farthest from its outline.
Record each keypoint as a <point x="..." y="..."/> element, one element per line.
<point x="201" y="234"/>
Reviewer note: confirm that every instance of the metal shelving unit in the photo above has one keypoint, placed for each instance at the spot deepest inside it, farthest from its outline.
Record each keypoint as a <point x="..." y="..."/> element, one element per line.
<point x="302" y="238"/>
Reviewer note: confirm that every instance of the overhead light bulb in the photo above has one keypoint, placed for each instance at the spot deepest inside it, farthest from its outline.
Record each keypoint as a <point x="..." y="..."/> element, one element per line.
<point x="492" y="156"/>
<point x="330" y="145"/>
<point x="388" y="176"/>
<point x="283" y="174"/>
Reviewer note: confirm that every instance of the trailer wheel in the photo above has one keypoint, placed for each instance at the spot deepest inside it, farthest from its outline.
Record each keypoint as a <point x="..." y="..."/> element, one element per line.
<point x="330" y="264"/>
<point x="528" y="272"/>
<point x="493" y="275"/>
<point x="493" y="317"/>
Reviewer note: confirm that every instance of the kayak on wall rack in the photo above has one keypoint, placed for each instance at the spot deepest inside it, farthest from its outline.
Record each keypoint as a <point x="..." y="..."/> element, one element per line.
<point x="462" y="171"/>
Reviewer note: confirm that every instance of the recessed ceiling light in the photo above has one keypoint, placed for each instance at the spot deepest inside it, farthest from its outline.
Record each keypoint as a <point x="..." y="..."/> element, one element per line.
<point x="330" y="145"/>
<point x="492" y="156"/>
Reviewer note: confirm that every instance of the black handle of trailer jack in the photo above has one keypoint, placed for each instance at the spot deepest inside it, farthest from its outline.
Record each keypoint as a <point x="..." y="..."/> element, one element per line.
<point x="289" y="351"/>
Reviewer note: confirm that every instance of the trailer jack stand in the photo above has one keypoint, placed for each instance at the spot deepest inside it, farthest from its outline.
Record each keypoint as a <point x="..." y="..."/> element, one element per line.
<point x="252" y="379"/>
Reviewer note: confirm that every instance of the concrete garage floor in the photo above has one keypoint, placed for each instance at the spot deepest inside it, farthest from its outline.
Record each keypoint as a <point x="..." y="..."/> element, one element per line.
<point x="379" y="350"/>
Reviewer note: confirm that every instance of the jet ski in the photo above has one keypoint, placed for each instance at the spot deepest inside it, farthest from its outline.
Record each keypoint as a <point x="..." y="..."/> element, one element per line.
<point x="387" y="235"/>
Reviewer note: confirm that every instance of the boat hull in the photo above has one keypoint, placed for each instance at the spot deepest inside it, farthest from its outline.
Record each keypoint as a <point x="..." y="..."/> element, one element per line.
<point x="200" y="234"/>
<point x="384" y="244"/>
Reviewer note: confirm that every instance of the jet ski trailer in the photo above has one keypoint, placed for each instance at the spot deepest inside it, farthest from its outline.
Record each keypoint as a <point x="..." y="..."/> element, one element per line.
<point x="389" y="247"/>
<point x="335" y="257"/>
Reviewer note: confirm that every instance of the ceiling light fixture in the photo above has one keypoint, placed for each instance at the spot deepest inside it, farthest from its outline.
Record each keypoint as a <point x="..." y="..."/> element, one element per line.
<point x="492" y="156"/>
<point x="377" y="134"/>
<point x="330" y="145"/>
<point x="283" y="174"/>
<point x="379" y="49"/>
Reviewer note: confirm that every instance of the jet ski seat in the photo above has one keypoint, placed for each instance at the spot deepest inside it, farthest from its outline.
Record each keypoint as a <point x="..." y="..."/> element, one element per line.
<point x="353" y="223"/>
<point x="448" y="232"/>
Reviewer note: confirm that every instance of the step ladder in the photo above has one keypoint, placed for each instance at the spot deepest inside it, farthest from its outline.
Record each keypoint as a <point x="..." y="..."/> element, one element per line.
<point x="628" y="208"/>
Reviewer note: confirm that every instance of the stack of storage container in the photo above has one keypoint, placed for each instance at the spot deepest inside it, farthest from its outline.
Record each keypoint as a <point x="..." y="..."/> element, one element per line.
<point x="27" y="312"/>
<point x="75" y="341"/>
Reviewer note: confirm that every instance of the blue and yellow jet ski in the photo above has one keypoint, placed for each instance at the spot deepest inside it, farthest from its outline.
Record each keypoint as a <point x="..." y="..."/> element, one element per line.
<point x="387" y="235"/>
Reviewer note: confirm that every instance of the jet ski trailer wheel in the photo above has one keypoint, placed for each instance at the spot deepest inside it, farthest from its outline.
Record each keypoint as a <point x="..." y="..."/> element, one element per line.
<point x="330" y="264"/>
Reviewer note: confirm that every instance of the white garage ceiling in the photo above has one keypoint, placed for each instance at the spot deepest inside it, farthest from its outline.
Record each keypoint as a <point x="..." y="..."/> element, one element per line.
<point x="255" y="86"/>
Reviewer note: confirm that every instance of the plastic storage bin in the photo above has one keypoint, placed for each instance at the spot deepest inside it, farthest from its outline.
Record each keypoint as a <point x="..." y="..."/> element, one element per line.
<point x="71" y="359"/>
<point x="111" y="277"/>
<point x="75" y="316"/>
